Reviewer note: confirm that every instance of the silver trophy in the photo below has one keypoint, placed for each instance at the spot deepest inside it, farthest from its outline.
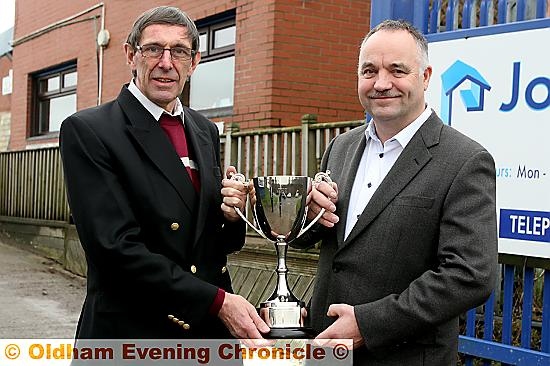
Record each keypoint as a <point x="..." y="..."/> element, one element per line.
<point x="280" y="212"/>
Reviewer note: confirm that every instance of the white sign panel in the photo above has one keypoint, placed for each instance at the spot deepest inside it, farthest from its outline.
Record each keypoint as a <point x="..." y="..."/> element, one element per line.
<point x="496" y="89"/>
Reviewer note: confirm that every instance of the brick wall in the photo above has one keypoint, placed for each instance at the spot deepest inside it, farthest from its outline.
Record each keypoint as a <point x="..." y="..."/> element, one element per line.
<point x="73" y="42"/>
<point x="292" y="56"/>
<point x="297" y="57"/>
<point x="316" y="46"/>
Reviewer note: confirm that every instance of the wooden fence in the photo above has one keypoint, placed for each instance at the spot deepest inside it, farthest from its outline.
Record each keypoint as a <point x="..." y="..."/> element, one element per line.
<point x="31" y="185"/>
<point x="282" y="151"/>
<point x="31" y="181"/>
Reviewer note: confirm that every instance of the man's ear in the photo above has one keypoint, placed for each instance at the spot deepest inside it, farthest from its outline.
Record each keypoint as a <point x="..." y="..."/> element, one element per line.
<point x="427" y="75"/>
<point x="130" y="53"/>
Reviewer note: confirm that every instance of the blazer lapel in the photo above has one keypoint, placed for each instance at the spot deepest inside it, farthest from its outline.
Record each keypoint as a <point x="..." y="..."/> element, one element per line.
<point x="202" y="151"/>
<point x="413" y="158"/>
<point x="346" y="182"/>
<point x="156" y="146"/>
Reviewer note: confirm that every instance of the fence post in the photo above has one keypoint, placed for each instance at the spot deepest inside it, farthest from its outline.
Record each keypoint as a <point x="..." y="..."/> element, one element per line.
<point x="307" y="151"/>
<point x="230" y="150"/>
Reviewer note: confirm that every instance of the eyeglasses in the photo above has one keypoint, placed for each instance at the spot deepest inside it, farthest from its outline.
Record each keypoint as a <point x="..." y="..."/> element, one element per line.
<point x="156" y="51"/>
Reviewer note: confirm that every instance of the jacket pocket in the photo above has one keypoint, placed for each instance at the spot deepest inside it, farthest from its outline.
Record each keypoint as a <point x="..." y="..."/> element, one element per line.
<point x="414" y="201"/>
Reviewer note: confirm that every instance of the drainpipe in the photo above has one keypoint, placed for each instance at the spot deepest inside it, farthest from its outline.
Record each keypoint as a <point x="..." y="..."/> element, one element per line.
<point x="102" y="41"/>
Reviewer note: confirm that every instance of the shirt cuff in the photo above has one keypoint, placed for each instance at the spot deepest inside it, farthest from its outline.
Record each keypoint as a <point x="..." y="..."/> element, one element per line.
<point x="218" y="302"/>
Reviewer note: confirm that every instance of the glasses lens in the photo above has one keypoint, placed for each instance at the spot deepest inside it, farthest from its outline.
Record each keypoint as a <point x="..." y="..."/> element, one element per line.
<point x="151" y="51"/>
<point x="154" y="51"/>
<point x="180" y="53"/>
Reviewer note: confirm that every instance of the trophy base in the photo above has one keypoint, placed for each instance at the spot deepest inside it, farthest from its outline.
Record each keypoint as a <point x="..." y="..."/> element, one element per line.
<point x="291" y="333"/>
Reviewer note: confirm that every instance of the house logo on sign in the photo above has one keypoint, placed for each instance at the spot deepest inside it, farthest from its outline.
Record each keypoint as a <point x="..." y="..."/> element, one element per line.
<point x="473" y="98"/>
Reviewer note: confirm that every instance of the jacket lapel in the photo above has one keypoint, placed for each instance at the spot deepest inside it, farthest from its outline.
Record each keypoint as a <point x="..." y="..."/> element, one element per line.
<point x="351" y="164"/>
<point x="201" y="150"/>
<point x="413" y="158"/>
<point x="156" y="146"/>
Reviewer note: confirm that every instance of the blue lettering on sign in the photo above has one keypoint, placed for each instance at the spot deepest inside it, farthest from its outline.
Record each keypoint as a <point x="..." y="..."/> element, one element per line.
<point x="543" y="82"/>
<point x="525" y="225"/>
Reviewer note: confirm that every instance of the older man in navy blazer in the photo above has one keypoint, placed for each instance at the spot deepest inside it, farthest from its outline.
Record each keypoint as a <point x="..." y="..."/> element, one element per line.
<point x="152" y="210"/>
<point x="409" y="236"/>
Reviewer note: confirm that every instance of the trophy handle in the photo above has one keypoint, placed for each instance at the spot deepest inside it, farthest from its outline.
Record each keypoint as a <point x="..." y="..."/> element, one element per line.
<point x="241" y="178"/>
<point x="319" y="177"/>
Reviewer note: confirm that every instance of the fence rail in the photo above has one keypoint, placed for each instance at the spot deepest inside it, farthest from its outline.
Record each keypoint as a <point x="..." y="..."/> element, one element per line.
<point x="437" y="16"/>
<point x="450" y="15"/>
<point x="514" y="325"/>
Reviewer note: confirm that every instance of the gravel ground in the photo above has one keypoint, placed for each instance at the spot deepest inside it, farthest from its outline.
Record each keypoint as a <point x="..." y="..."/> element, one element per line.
<point x="38" y="299"/>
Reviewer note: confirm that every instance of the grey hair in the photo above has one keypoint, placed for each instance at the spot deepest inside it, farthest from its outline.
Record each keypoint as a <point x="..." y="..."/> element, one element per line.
<point x="163" y="15"/>
<point x="396" y="25"/>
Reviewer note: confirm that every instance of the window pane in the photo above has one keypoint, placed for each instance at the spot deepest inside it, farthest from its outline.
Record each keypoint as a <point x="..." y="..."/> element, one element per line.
<point x="43" y="86"/>
<point x="43" y="111"/>
<point x="224" y="37"/>
<point x="61" y="108"/>
<point x="53" y="83"/>
<point x="69" y="79"/>
<point x="212" y="84"/>
<point x="203" y="42"/>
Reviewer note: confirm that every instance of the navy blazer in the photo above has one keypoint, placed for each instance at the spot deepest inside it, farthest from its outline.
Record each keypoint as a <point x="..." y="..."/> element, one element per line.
<point x="154" y="247"/>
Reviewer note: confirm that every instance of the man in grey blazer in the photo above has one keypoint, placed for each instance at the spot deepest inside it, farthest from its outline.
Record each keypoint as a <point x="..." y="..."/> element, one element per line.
<point x="409" y="237"/>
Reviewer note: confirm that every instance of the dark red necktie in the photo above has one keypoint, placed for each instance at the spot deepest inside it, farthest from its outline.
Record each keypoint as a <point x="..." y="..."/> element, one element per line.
<point x="173" y="127"/>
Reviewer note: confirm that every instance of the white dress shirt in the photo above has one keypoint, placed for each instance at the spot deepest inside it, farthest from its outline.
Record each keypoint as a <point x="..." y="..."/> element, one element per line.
<point x="154" y="109"/>
<point x="376" y="162"/>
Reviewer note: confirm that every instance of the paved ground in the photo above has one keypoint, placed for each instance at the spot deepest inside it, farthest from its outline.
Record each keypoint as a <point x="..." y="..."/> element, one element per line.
<point x="38" y="299"/>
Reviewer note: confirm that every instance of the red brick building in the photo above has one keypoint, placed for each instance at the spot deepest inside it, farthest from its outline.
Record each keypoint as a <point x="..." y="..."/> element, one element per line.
<point x="265" y="62"/>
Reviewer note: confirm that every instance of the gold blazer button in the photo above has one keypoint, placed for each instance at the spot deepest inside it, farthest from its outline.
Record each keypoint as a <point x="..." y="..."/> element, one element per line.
<point x="193" y="269"/>
<point x="175" y="226"/>
<point x="224" y="269"/>
<point x="186" y="326"/>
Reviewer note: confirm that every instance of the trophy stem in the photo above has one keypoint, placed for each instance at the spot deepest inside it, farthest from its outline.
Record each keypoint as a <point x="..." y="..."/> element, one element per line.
<point x="281" y="247"/>
<point x="282" y="292"/>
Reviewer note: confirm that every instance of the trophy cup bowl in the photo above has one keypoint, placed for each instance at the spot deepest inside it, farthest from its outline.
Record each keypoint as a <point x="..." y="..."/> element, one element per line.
<point x="279" y="210"/>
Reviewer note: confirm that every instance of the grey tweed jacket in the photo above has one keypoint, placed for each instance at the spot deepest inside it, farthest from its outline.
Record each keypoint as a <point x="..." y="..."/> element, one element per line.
<point x="423" y="251"/>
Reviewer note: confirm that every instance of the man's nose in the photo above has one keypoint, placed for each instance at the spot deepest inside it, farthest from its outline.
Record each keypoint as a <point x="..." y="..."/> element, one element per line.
<point x="383" y="80"/>
<point x="165" y="60"/>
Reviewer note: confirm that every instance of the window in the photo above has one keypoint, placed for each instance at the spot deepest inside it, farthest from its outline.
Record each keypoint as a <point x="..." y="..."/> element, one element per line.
<point x="54" y="98"/>
<point x="211" y="86"/>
